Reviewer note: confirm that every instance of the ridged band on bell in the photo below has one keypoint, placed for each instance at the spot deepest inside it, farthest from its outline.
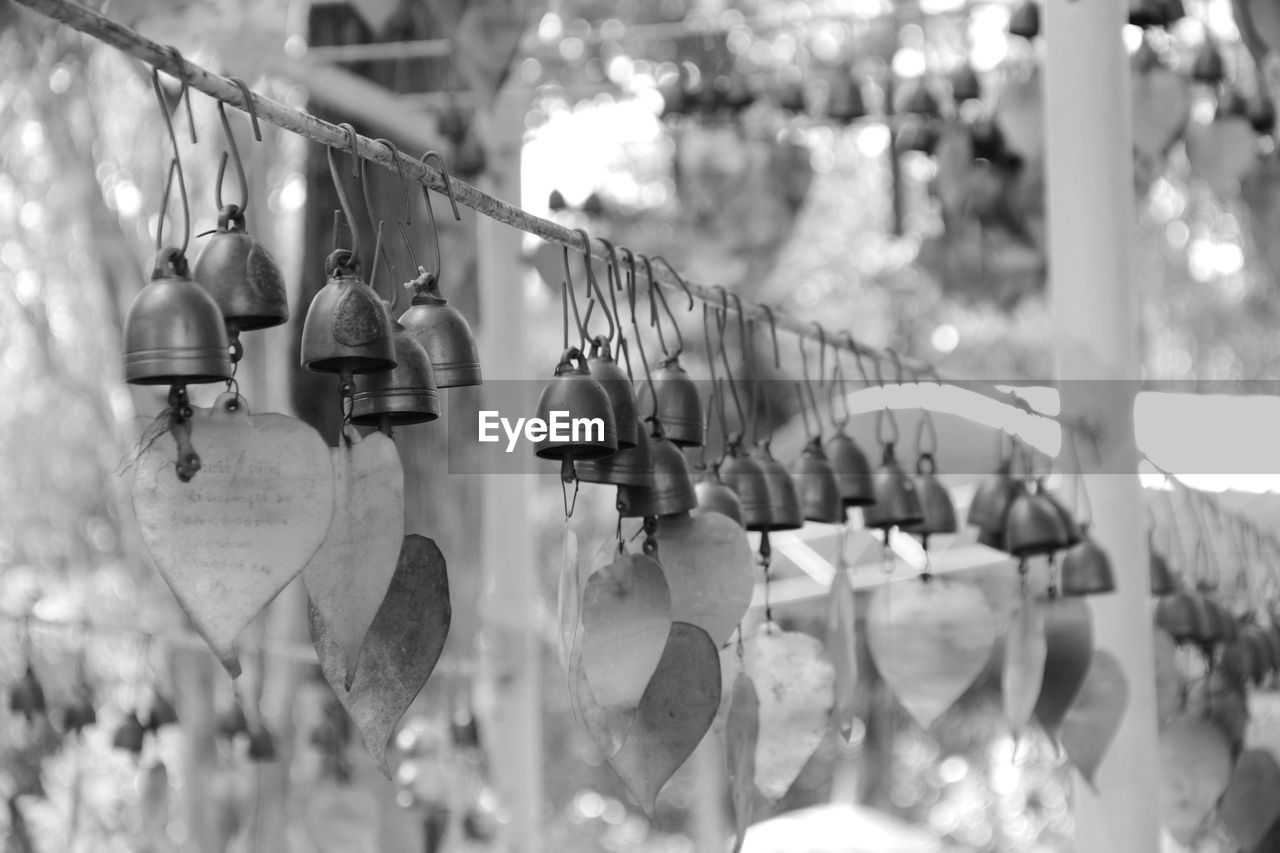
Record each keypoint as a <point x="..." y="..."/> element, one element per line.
<point x="577" y="401"/>
<point x="347" y="329"/>
<point x="784" y="503"/>
<point x="816" y="486"/>
<point x="630" y="466"/>
<point x="617" y="385"/>
<point x="241" y="276"/>
<point x="1086" y="569"/>
<point x="404" y="395"/>
<point x="1033" y="526"/>
<point x="444" y="333"/>
<point x="679" y="406"/>
<point x="853" y="472"/>
<point x="935" y="501"/>
<point x="744" y="475"/>
<point x="174" y="333"/>
<point x="715" y="496"/>
<point x="897" y="501"/>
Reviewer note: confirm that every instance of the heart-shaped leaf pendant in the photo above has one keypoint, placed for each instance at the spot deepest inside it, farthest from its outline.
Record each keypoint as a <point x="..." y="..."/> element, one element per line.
<point x="1195" y="767"/>
<point x="742" y="736"/>
<point x="400" y="650"/>
<point x="707" y="563"/>
<point x="1024" y="655"/>
<point x="1068" y="632"/>
<point x="842" y="650"/>
<point x="228" y="541"/>
<point x="348" y="577"/>
<point x="1251" y="805"/>
<point x="1093" y="720"/>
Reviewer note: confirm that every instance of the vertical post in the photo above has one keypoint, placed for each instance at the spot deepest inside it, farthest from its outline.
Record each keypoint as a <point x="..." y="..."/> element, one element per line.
<point x="511" y="648"/>
<point x="1090" y="216"/>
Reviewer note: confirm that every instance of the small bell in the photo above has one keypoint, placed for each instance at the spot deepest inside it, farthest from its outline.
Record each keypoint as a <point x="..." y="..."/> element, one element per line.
<point x="1208" y="66"/>
<point x="232" y="722"/>
<point x="935" y="501"/>
<point x="679" y="406"/>
<point x="630" y="466"/>
<point x="1162" y="580"/>
<point x="816" y="486"/>
<point x="128" y="735"/>
<point x="406" y="394"/>
<point x="1024" y="22"/>
<point x="897" y="500"/>
<point x="79" y="713"/>
<point x="580" y="407"/>
<point x="784" y="503"/>
<point x="673" y="489"/>
<point x="347" y="329"/>
<point x="614" y="379"/>
<point x="1033" y="525"/>
<point x="162" y="713"/>
<point x="715" y="496"/>
<point x="241" y="276"/>
<point x="444" y="334"/>
<point x="965" y="85"/>
<point x="174" y="333"/>
<point x="262" y="744"/>
<point x="1255" y="637"/>
<point x="1086" y="569"/>
<point x="991" y="504"/>
<point x="26" y="696"/>
<point x="853" y="472"/>
<point x="845" y="103"/>
<point x="744" y="475"/>
<point x="1075" y="533"/>
<point x="1176" y="615"/>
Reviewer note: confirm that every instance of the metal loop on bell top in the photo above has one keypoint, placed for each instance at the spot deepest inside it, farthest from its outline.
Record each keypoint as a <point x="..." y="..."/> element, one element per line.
<point x="614" y="273"/>
<point x="635" y="325"/>
<point x="773" y="334"/>
<point x="431" y="214"/>
<point x="238" y="214"/>
<point x="354" y="253"/>
<point x="594" y="293"/>
<point x="722" y="322"/>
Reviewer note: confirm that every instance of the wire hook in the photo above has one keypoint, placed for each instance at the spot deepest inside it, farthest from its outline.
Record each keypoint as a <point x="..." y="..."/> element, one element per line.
<point x="175" y="165"/>
<point x="568" y="289"/>
<point x="773" y="334"/>
<point x="635" y="325"/>
<point x="655" y="296"/>
<point x="353" y="254"/>
<point x="433" y="282"/>
<point x="594" y="293"/>
<point x="613" y="274"/>
<point x="379" y="246"/>
<point x="239" y="209"/>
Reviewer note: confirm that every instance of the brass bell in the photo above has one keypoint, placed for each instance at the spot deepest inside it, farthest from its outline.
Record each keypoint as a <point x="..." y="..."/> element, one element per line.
<point x="1254" y="636"/>
<point x="174" y="333"/>
<point x="404" y="395"/>
<point x="935" y="501"/>
<point x="679" y="406"/>
<point x="784" y="503"/>
<point x="1033" y="526"/>
<point x="347" y="329"/>
<point x="579" y="407"/>
<point x="672" y="492"/>
<point x="897" y="500"/>
<point x="630" y="466"/>
<point x="715" y="496"/>
<point x="816" y="486"/>
<point x="241" y="276"/>
<point x="853" y="472"/>
<point x="1176" y="615"/>
<point x="444" y="334"/>
<point x="1086" y="569"/>
<point x="1072" y="527"/>
<point x="616" y="383"/>
<point x="1163" y="581"/>
<point x="744" y="475"/>
<point x="991" y="503"/>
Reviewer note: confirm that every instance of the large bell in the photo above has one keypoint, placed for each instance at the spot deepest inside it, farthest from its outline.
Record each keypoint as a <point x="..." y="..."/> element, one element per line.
<point x="853" y="472"/>
<point x="1086" y="569"/>
<point x="577" y="413"/>
<point x="444" y="333"/>
<point x="404" y="395"/>
<point x="784" y="503"/>
<point x="241" y="276"/>
<point x="630" y="466"/>
<point x="935" y="501"/>
<point x="897" y="500"/>
<point x="347" y="329"/>
<point x="618" y="386"/>
<point x="1033" y="526"/>
<point x="991" y="503"/>
<point x="745" y="476"/>
<point x="816" y="485"/>
<point x="679" y="406"/>
<point x="174" y="333"/>
<point x="715" y="496"/>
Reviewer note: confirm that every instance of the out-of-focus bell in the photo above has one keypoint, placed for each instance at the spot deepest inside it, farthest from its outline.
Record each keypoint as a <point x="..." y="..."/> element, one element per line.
<point x="897" y="500"/>
<point x="744" y="475"/>
<point x="1086" y="569"/>
<point x="406" y="394"/>
<point x="174" y="333"/>
<point x="991" y="503"/>
<point x="1176" y="615"/>
<point x="241" y="276"/>
<point x="1163" y="581"/>
<point x="816" y="486"/>
<point x="715" y="496"/>
<point x="617" y="385"/>
<point x="347" y="330"/>
<point x="853" y="472"/>
<point x="672" y="491"/>
<point x="1033" y="526"/>
<point x="935" y="501"/>
<point x="444" y="334"/>
<point x="679" y="406"/>
<point x="1069" y="524"/>
<point x="128" y="735"/>
<point x="630" y="466"/>
<point x="1025" y="20"/>
<point x="578" y="415"/>
<point x="784" y="503"/>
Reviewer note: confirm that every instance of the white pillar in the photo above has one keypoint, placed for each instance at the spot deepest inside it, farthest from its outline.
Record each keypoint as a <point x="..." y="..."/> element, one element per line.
<point x="1091" y="225"/>
<point x="511" y="648"/>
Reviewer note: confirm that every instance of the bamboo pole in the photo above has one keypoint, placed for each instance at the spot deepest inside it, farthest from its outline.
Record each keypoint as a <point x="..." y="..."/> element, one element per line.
<point x="1090" y="215"/>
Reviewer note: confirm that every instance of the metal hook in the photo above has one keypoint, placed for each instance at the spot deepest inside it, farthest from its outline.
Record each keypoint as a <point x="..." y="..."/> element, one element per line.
<point x="434" y="280"/>
<point x="175" y="165"/>
<point x="353" y="260"/>
<point x="594" y="292"/>
<point x="773" y="334"/>
<point x="807" y="382"/>
<point x="746" y="330"/>
<point x="614" y="273"/>
<point x="379" y="247"/>
<point x="680" y="281"/>
<point x="567" y="288"/>
<point x="631" y="300"/>
<point x="886" y="414"/>
<point x="184" y="93"/>
<point x="252" y="110"/>
<point x="653" y="313"/>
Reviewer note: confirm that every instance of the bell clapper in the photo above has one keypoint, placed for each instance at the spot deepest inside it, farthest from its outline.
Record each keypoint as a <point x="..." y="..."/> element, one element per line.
<point x="766" y="558"/>
<point x="650" y="529"/>
<point x="188" y="462"/>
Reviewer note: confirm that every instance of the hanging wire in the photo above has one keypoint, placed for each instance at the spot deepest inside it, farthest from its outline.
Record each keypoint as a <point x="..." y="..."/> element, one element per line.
<point x="431" y="214"/>
<point x="635" y="326"/>
<point x="175" y="164"/>
<point x="655" y="296"/>
<point x="594" y="293"/>
<point x="352" y="261"/>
